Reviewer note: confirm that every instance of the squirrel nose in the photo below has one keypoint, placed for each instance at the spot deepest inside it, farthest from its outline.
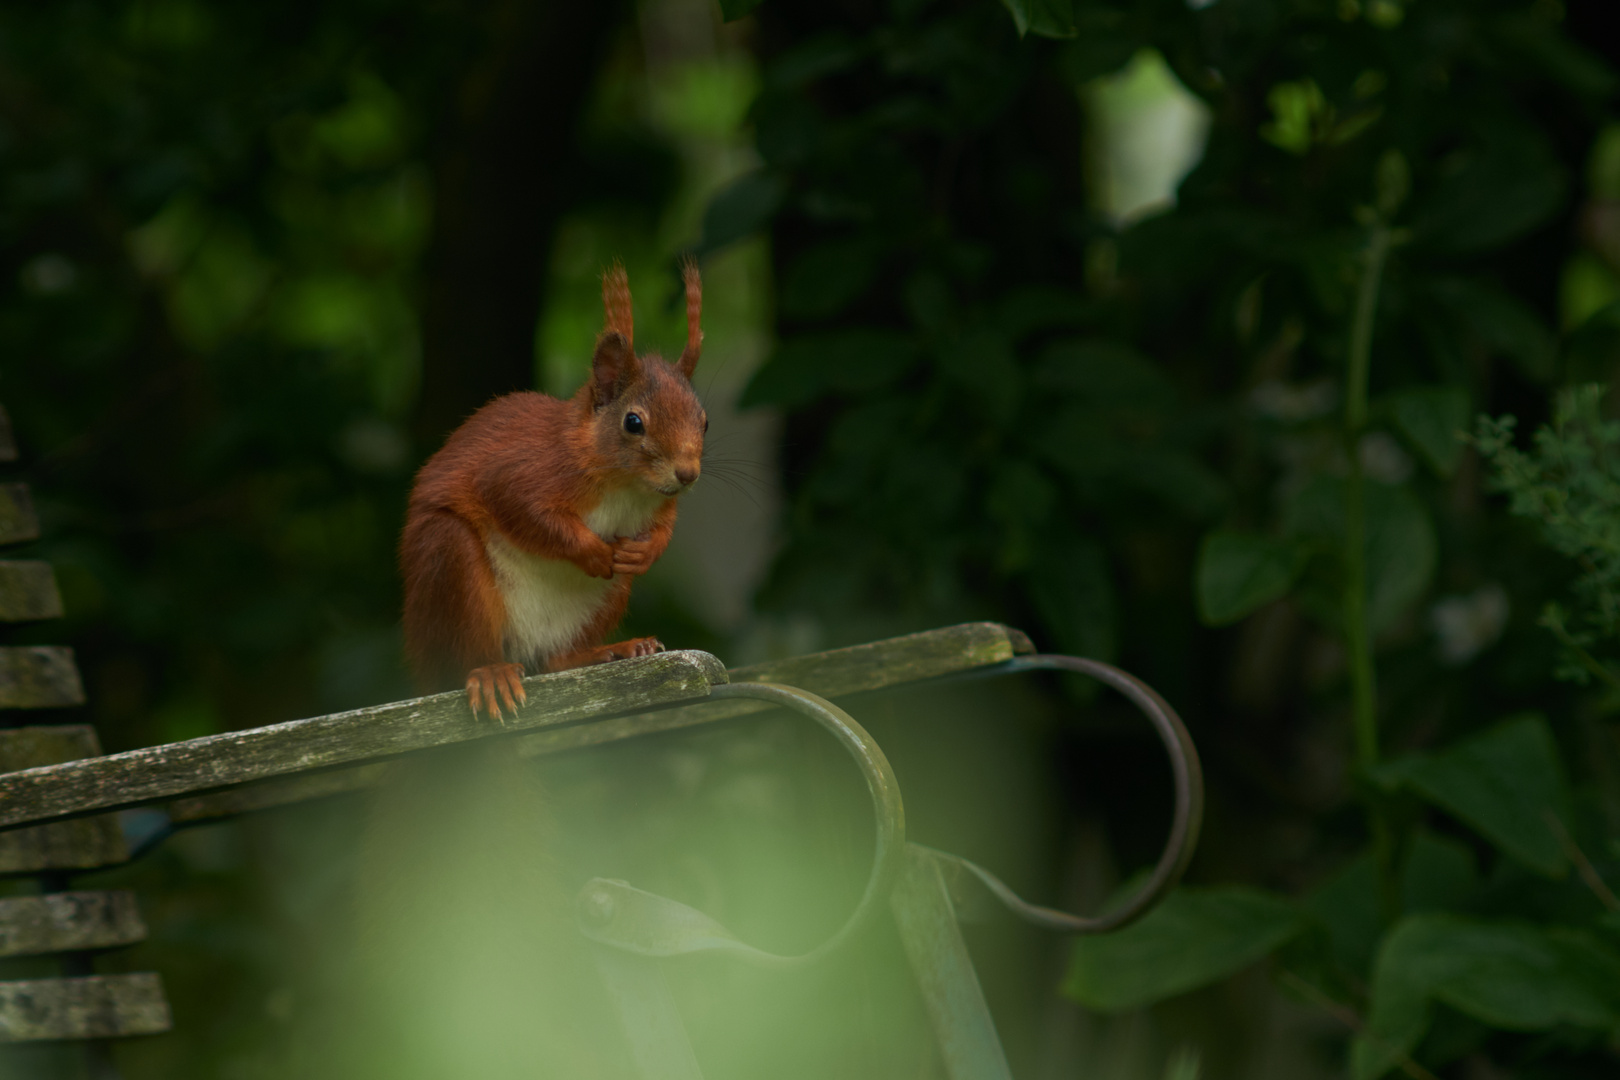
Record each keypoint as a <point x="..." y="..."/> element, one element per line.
<point x="686" y="474"/>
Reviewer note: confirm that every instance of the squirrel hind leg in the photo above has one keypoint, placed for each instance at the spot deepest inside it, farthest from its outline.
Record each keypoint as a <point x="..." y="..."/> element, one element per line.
<point x="454" y="614"/>
<point x="602" y="654"/>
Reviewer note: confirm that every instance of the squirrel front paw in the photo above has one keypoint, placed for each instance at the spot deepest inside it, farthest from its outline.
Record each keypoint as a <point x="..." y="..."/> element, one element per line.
<point x="505" y="680"/>
<point x="633" y="555"/>
<point x="599" y="561"/>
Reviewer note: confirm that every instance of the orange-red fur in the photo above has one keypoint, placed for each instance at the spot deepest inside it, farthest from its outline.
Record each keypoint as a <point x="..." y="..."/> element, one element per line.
<point x="529" y="469"/>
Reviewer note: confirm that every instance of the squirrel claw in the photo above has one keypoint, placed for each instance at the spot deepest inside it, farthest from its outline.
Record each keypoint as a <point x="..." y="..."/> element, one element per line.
<point x="491" y="687"/>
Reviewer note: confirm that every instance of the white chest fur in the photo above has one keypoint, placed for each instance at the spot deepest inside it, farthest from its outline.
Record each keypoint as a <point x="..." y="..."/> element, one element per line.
<point x="550" y="601"/>
<point x="622" y="513"/>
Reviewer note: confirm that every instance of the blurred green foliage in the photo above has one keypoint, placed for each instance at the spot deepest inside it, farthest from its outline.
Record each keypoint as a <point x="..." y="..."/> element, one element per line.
<point x="1006" y="397"/>
<point x="1567" y="484"/>
<point x="223" y="234"/>
<point x="216" y="230"/>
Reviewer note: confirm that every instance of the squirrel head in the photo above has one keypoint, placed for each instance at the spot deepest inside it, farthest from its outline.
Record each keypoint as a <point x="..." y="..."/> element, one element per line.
<point x="647" y="423"/>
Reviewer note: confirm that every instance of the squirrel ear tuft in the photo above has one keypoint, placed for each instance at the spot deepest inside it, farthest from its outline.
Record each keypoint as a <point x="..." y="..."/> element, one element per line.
<point x="616" y="303"/>
<point x="694" y="311"/>
<point x="611" y="367"/>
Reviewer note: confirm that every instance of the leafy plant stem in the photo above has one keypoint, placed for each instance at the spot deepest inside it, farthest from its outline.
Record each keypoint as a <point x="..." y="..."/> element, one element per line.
<point x="1358" y="643"/>
<point x="1357" y="639"/>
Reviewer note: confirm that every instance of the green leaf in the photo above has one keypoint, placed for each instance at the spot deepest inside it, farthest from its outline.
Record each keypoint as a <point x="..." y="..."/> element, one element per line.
<point x="826" y="277"/>
<point x="1509" y="975"/>
<point x="732" y="10"/>
<point x="1104" y="371"/>
<point x="1500" y="321"/>
<point x="1503" y="783"/>
<point x="1592" y="349"/>
<point x="809" y="367"/>
<point x="1507" y="183"/>
<point x="1104" y="465"/>
<point x="981" y="361"/>
<point x="1438" y="873"/>
<point x="1073" y="592"/>
<point x="1195" y="937"/>
<point x="741" y="209"/>
<point x="1029" y="309"/>
<point x="1239" y="572"/>
<point x="1181" y="480"/>
<point x="1401" y="546"/>
<point x="1432" y="419"/>
<point x="1560" y="59"/>
<point x="1347" y="905"/>
<point x="1101" y="50"/>
<point x="1046" y="18"/>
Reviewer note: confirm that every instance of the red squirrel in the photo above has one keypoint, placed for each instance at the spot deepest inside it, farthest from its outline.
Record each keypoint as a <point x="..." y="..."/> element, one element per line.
<point x="525" y="531"/>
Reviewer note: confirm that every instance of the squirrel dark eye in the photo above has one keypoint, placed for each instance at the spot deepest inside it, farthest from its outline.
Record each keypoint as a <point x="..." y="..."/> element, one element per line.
<point x="634" y="424"/>
<point x="705" y="425"/>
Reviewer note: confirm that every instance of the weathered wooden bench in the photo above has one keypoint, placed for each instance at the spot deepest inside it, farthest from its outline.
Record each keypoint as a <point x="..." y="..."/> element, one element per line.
<point x="57" y="921"/>
<point x="64" y="789"/>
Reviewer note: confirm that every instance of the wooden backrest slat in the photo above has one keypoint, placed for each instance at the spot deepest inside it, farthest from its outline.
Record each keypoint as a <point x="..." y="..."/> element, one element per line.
<point x="39" y="677"/>
<point x="69" y="921"/>
<point x="82" y="844"/>
<point x="28" y="591"/>
<point x="18" y="522"/>
<point x="86" y="1007"/>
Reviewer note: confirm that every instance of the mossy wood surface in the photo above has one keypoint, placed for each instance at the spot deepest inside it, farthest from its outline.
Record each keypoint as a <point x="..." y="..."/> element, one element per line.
<point x="835" y="673"/>
<point x="81" y="844"/>
<point x="85" y="1007"/>
<point x="269" y="793"/>
<point x="68" y="922"/>
<point x="216" y="762"/>
<point x="39" y="677"/>
<point x="28" y="591"/>
<point x="18" y="522"/>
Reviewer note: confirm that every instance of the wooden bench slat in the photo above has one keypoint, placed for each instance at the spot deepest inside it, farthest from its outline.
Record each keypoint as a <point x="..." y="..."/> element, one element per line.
<point x="39" y="677"/>
<point x="271" y="793"/>
<point x="82" y="844"/>
<point x="69" y="922"/>
<point x="28" y="591"/>
<point x="18" y="522"/>
<point x="835" y="673"/>
<point x="216" y="762"/>
<point x="84" y="1007"/>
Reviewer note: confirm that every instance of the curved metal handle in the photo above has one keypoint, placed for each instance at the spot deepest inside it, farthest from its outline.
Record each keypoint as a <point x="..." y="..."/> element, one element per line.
<point x="1184" y="826"/>
<point x="617" y="914"/>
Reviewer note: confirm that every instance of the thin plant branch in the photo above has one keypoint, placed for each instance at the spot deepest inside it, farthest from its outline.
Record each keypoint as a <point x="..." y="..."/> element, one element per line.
<point x="1352" y="1020"/>
<point x="1583" y="865"/>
